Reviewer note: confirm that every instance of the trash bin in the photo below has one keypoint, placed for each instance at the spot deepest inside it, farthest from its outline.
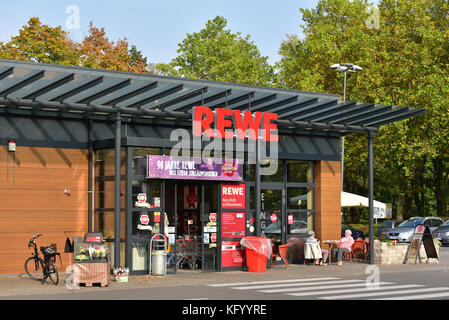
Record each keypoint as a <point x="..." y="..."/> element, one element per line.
<point x="258" y="250"/>
<point x="158" y="258"/>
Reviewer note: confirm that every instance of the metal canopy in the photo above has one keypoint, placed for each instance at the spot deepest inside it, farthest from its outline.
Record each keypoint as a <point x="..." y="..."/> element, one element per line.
<point x="92" y="92"/>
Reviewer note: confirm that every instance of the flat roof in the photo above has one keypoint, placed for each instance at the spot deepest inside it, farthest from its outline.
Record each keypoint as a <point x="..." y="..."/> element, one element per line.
<point x="29" y="85"/>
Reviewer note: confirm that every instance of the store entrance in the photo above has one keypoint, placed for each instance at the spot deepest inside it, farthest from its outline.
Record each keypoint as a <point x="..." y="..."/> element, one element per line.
<point x="192" y="211"/>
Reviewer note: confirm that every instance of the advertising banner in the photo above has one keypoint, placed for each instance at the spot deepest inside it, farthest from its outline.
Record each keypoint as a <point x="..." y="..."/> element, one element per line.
<point x="233" y="196"/>
<point x="166" y="167"/>
<point x="233" y="224"/>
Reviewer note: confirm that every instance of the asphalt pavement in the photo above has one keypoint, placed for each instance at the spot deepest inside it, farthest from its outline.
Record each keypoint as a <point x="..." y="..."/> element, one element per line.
<point x="298" y="282"/>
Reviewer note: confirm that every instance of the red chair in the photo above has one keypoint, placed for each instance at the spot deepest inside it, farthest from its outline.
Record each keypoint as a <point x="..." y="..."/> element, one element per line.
<point x="358" y="249"/>
<point x="348" y="255"/>
<point x="282" y="253"/>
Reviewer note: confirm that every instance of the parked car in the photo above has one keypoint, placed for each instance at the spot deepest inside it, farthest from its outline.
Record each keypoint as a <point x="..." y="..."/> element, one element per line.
<point x="404" y="232"/>
<point x="442" y="233"/>
<point x="387" y="226"/>
<point x="356" y="234"/>
<point x="298" y="227"/>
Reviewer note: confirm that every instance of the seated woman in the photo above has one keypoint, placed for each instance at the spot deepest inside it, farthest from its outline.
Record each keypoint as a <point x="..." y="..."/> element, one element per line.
<point x="316" y="252"/>
<point x="344" y="245"/>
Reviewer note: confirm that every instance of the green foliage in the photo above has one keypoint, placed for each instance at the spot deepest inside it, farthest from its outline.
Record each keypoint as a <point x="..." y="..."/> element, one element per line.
<point x="45" y="44"/>
<point x="215" y="53"/>
<point x="405" y="63"/>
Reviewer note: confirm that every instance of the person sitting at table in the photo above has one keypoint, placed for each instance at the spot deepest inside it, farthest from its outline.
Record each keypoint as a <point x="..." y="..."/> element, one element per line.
<point x="317" y="252"/>
<point x="344" y="245"/>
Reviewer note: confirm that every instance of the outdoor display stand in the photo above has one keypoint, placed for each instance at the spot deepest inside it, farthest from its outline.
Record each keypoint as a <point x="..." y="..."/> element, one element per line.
<point x="92" y="265"/>
<point x="422" y="235"/>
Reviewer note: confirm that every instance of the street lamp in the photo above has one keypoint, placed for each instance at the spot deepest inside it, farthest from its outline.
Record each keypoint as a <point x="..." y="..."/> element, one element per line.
<point x="345" y="68"/>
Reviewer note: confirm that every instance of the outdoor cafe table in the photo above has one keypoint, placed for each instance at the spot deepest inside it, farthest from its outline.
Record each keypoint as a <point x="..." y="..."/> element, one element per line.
<point x="331" y="244"/>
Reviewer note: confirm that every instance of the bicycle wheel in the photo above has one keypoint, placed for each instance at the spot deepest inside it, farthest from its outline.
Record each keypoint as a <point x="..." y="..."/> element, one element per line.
<point x="52" y="273"/>
<point x="32" y="266"/>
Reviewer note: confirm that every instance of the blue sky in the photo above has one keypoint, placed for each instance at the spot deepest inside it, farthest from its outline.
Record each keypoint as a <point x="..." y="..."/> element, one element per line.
<point x="157" y="26"/>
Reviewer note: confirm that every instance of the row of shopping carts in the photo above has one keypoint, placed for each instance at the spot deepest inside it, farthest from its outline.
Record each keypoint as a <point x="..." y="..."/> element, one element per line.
<point x="187" y="254"/>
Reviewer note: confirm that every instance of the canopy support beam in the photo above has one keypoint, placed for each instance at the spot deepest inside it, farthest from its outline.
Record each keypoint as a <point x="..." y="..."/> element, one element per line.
<point x="371" y="197"/>
<point x="117" y="179"/>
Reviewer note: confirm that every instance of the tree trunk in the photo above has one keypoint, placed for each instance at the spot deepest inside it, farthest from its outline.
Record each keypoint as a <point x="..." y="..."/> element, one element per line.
<point x="438" y="178"/>
<point x="399" y="206"/>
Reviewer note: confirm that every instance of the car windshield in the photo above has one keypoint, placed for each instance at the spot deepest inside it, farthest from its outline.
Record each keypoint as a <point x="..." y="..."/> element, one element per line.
<point x="446" y="223"/>
<point x="412" y="223"/>
<point x="385" y="224"/>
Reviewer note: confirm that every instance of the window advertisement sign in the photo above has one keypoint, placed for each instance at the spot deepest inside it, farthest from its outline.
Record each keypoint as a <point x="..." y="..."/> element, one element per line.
<point x="233" y="224"/>
<point x="231" y="254"/>
<point x="167" y="167"/>
<point x="233" y="196"/>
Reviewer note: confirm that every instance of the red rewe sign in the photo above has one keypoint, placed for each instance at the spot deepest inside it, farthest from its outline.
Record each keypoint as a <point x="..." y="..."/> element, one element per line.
<point x="233" y="196"/>
<point x="228" y="120"/>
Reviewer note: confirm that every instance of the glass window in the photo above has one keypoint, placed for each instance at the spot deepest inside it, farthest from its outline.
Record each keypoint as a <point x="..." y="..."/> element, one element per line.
<point x="104" y="222"/>
<point x="152" y="189"/>
<point x="105" y="162"/>
<point x="271" y="218"/>
<point x="436" y="222"/>
<point x="271" y="171"/>
<point x="299" y="172"/>
<point x="139" y="159"/>
<point x="298" y="224"/>
<point x="273" y="168"/>
<point x="300" y="198"/>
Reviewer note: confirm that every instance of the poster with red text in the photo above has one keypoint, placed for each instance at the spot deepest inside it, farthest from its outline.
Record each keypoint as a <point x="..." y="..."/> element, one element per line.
<point x="233" y="196"/>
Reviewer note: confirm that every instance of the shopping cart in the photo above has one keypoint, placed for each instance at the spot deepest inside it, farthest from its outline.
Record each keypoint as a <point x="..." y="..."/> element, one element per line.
<point x="188" y="254"/>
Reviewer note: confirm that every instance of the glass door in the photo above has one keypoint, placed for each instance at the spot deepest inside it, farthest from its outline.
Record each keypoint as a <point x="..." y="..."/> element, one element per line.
<point x="271" y="218"/>
<point x="170" y="222"/>
<point x="210" y="227"/>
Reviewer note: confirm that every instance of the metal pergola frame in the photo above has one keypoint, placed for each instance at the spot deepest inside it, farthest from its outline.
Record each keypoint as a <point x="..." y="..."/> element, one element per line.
<point x="122" y="96"/>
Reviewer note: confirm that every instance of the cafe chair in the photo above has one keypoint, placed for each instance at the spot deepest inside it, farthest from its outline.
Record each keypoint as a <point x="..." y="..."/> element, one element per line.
<point x="358" y="250"/>
<point x="282" y="253"/>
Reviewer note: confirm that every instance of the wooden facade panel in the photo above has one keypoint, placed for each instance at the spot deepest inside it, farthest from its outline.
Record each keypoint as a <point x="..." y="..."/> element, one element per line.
<point x="42" y="221"/>
<point x="32" y="201"/>
<point x="50" y="158"/>
<point x="38" y="177"/>
<point x="16" y="263"/>
<point x="328" y="200"/>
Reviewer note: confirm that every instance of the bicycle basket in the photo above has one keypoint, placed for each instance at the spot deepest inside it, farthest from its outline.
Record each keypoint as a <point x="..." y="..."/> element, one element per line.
<point x="48" y="251"/>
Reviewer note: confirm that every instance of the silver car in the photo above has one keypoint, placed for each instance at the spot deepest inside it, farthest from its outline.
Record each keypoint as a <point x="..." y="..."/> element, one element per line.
<point x="442" y="233"/>
<point x="404" y="232"/>
<point x="387" y="226"/>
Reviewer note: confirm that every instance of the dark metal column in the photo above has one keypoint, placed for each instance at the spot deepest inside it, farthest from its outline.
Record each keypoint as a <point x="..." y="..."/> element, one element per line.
<point x="118" y="140"/>
<point x="90" y="178"/>
<point x="257" y="191"/>
<point x="371" y="197"/>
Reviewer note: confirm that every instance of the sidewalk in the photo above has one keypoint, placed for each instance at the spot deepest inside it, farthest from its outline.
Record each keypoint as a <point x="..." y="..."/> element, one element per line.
<point x="19" y="285"/>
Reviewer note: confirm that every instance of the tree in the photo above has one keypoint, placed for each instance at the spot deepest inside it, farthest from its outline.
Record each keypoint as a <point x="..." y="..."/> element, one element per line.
<point x="405" y="64"/>
<point x="40" y="43"/>
<point x="97" y="51"/>
<point x="215" y="53"/>
<point x="45" y="44"/>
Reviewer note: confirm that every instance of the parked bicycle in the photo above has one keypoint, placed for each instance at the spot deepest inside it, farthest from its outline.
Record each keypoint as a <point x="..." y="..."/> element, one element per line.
<point x="35" y="263"/>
